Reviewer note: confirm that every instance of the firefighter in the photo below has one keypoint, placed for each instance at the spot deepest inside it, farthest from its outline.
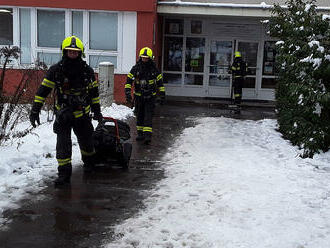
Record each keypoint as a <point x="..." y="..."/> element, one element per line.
<point x="77" y="95"/>
<point x="239" y="70"/>
<point x="147" y="82"/>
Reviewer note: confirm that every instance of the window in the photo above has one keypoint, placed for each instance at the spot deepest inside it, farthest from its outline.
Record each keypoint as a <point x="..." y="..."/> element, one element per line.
<point x="196" y="27"/>
<point x="174" y="26"/>
<point x="94" y="60"/>
<point x="268" y="67"/>
<point x="249" y="51"/>
<point x="6" y="26"/>
<point x="77" y="23"/>
<point x="51" y="28"/>
<point x="49" y="58"/>
<point x="220" y="61"/>
<point x="107" y="35"/>
<point x="269" y="58"/>
<point x="173" y="53"/>
<point x="103" y="31"/>
<point x="195" y="50"/>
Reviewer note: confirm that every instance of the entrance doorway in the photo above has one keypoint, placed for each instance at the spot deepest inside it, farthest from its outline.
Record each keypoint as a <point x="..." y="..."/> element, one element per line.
<point x="220" y="59"/>
<point x="221" y="56"/>
<point x="249" y="51"/>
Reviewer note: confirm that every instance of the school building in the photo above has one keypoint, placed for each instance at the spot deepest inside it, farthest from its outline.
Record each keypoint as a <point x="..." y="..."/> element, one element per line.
<point x="193" y="41"/>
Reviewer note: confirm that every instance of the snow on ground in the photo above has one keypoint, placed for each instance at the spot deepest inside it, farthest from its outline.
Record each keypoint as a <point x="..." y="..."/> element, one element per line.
<point x="232" y="183"/>
<point x="27" y="164"/>
<point x="229" y="183"/>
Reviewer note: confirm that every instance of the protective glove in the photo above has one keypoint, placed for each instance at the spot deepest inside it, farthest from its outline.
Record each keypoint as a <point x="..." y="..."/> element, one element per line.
<point x="98" y="116"/>
<point x="128" y="97"/>
<point x="129" y="101"/>
<point x="34" y="118"/>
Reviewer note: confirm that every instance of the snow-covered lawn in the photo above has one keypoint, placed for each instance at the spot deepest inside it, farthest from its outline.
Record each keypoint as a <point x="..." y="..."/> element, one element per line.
<point x="232" y="183"/>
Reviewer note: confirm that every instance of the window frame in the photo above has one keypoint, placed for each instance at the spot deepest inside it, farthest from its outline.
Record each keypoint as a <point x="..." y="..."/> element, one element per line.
<point x="15" y="19"/>
<point x="16" y="32"/>
<point x="35" y="49"/>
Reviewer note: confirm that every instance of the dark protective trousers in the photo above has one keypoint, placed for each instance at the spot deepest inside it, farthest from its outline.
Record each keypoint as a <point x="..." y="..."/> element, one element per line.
<point x="238" y="85"/>
<point x="144" y="111"/>
<point x="83" y="129"/>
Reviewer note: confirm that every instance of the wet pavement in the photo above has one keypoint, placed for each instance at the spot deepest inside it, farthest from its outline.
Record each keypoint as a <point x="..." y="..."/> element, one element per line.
<point x="82" y="215"/>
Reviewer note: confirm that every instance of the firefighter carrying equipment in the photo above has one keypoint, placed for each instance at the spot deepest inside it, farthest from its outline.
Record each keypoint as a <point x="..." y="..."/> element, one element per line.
<point x="77" y="95"/>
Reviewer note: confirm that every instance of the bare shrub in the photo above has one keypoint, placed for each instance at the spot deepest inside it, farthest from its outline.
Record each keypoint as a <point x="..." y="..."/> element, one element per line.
<point x="13" y="106"/>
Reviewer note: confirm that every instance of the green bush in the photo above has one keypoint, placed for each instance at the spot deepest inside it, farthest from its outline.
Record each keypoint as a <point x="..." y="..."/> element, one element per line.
<point x="303" y="75"/>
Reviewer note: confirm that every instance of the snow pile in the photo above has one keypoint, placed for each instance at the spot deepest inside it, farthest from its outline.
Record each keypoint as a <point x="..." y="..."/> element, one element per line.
<point x="233" y="183"/>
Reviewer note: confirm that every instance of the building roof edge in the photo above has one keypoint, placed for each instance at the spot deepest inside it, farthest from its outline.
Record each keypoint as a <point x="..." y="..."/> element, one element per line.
<point x="228" y="5"/>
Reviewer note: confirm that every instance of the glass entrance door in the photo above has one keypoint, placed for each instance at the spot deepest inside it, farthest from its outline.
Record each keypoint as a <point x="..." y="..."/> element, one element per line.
<point x="249" y="51"/>
<point x="219" y="80"/>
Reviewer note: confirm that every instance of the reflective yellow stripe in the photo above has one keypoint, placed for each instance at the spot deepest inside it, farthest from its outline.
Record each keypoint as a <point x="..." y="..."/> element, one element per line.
<point x="151" y="81"/>
<point x="39" y="99"/>
<point x="154" y="93"/>
<point x="237" y="76"/>
<point x="139" y="128"/>
<point x="48" y="83"/>
<point x="138" y="94"/>
<point x="96" y="100"/>
<point x="236" y="95"/>
<point x="95" y="84"/>
<point x="78" y="114"/>
<point x="87" y="109"/>
<point x="130" y="75"/>
<point x="87" y="153"/>
<point x="147" y="129"/>
<point x="159" y="77"/>
<point x="63" y="161"/>
<point x="162" y="89"/>
<point x="128" y="86"/>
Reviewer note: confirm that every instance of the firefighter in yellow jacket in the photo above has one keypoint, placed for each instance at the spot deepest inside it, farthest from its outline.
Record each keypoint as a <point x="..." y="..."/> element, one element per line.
<point x="147" y="82"/>
<point x="239" y="70"/>
<point x="76" y="95"/>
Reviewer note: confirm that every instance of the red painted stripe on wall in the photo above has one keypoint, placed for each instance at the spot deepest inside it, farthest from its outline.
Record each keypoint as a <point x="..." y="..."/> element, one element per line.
<point x="122" y="5"/>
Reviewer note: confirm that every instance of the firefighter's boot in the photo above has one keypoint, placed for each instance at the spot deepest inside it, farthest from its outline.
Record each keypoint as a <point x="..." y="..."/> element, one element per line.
<point x="139" y="136"/>
<point x="64" y="175"/>
<point x="147" y="138"/>
<point x="89" y="163"/>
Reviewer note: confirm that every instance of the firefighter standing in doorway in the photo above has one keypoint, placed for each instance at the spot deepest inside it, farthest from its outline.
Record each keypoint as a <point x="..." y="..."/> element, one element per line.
<point x="147" y="82"/>
<point x="238" y="70"/>
<point x="76" y="95"/>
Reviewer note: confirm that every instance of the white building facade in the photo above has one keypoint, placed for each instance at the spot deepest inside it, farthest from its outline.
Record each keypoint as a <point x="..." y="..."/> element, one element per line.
<point x="199" y="40"/>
